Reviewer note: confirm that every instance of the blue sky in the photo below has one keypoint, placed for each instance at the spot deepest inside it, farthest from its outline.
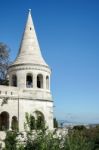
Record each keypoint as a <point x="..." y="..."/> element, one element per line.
<point x="68" y="33"/>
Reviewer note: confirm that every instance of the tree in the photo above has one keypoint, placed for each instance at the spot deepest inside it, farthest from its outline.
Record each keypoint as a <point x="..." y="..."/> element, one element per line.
<point x="55" y="123"/>
<point x="4" y="63"/>
<point x="40" y="124"/>
<point x="32" y="122"/>
<point x="79" y="127"/>
<point x="76" y="140"/>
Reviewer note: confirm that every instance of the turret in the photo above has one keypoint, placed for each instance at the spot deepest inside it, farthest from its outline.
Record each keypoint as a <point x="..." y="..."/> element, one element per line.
<point x="29" y="70"/>
<point x="29" y="76"/>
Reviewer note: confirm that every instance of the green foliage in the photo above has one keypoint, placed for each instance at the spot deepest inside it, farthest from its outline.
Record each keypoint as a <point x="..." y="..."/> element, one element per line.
<point x="4" y="63"/>
<point x="78" y="138"/>
<point x="80" y="127"/>
<point x="42" y="141"/>
<point x="77" y="141"/>
<point x="11" y="140"/>
<point x="20" y="147"/>
<point x="32" y="124"/>
<point x="93" y="135"/>
<point x="55" y="123"/>
<point x="40" y="123"/>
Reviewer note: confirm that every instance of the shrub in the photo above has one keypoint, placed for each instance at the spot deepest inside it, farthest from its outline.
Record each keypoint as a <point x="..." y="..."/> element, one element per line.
<point x="11" y="140"/>
<point x="78" y="138"/>
<point x="76" y="141"/>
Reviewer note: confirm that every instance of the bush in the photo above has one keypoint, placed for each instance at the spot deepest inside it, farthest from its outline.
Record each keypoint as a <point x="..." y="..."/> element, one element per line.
<point x="78" y="138"/>
<point x="77" y="141"/>
<point x="11" y="140"/>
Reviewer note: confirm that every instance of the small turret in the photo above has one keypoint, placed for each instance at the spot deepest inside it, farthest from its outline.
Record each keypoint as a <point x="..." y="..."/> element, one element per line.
<point x="29" y="70"/>
<point x="29" y="85"/>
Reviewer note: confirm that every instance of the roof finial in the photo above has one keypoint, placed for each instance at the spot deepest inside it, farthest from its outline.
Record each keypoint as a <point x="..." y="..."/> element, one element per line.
<point x="29" y="10"/>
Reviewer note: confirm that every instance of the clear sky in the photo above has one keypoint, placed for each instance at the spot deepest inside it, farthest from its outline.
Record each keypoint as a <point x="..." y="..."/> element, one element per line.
<point x="68" y="33"/>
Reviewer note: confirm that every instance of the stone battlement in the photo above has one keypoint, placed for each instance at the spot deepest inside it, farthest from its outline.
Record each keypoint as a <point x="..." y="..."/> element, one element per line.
<point x="8" y="90"/>
<point x="15" y="92"/>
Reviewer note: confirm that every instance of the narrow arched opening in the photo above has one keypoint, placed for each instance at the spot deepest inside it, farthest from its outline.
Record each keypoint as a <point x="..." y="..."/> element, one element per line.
<point x="14" y="80"/>
<point x="14" y="123"/>
<point x="40" y="121"/>
<point x="29" y="81"/>
<point x="4" y="121"/>
<point x="40" y="81"/>
<point x="47" y="82"/>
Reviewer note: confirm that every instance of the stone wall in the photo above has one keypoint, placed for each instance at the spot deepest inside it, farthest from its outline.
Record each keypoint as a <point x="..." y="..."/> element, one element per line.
<point x="21" y="101"/>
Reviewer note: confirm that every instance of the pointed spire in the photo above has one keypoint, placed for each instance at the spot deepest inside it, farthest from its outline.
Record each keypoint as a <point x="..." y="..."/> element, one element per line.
<point x="30" y="10"/>
<point x="29" y="51"/>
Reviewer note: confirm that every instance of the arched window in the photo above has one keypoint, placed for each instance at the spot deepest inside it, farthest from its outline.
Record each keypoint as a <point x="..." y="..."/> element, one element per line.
<point x="40" y="121"/>
<point x="4" y="121"/>
<point x="29" y="81"/>
<point x="39" y="81"/>
<point x="47" y="82"/>
<point x="14" y="80"/>
<point x="14" y="123"/>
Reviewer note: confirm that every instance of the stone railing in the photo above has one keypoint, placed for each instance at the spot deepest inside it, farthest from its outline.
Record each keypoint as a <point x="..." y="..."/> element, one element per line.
<point x="15" y="92"/>
<point x="7" y="91"/>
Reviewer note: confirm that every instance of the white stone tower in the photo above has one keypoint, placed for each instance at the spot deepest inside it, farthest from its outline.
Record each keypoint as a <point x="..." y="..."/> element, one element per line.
<point x="29" y="82"/>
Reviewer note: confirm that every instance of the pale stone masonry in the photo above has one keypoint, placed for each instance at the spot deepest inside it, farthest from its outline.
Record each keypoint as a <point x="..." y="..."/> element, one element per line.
<point x="29" y="84"/>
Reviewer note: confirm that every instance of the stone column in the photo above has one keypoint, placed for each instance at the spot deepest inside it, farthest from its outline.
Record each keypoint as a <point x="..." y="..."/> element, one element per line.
<point x="10" y="80"/>
<point x="21" y="79"/>
<point x="10" y="121"/>
<point x="44" y="81"/>
<point x="34" y="81"/>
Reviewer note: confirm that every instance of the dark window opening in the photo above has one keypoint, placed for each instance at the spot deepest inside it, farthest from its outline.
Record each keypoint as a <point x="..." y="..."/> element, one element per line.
<point x="14" y="80"/>
<point x="14" y="123"/>
<point x="29" y="82"/>
<point x="4" y="121"/>
<point x="47" y="82"/>
<point x="40" y="81"/>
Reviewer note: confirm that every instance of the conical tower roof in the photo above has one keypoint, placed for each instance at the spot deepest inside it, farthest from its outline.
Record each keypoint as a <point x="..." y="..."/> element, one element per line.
<point x="29" y="52"/>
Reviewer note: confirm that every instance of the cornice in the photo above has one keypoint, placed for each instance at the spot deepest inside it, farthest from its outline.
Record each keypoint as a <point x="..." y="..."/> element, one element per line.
<point x="24" y="98"/>
<point x="29" y="67"/>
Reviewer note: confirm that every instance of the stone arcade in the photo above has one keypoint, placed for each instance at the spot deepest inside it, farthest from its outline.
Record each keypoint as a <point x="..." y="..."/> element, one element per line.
<point x="29" y="85"/>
